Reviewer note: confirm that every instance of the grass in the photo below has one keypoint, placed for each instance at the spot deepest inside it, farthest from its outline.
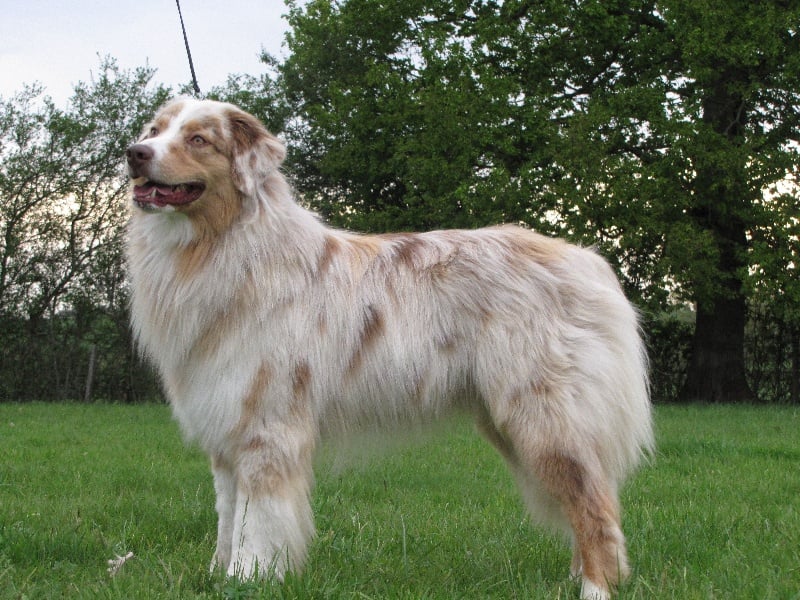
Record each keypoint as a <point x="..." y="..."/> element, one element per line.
<point x="716" y="514"/>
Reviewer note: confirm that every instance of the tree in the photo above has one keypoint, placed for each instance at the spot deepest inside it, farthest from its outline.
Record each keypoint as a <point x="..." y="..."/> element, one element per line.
<point x="648" y="128"/>
<point x="775" y="289"/>
<point x="61" y="216"/>
<point x="386" y="94"/>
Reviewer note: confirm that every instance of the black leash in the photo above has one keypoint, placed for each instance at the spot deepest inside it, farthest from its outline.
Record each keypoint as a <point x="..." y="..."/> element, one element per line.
<point x="188" y="52"/>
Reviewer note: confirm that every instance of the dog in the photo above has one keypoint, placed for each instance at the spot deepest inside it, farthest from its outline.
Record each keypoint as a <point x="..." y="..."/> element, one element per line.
<point x="272" y="331"/>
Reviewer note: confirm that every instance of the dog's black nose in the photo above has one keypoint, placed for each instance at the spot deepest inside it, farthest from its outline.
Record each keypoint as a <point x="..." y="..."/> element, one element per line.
<point x="138" y="156"/>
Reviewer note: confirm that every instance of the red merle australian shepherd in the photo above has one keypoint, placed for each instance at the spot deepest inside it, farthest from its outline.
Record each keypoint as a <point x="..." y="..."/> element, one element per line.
<point x="271" y="331"/>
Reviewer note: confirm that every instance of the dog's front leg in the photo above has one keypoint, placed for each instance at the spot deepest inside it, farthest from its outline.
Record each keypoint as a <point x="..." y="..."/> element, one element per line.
<point x="272" y="521"/>
<point x="225" y="488"/>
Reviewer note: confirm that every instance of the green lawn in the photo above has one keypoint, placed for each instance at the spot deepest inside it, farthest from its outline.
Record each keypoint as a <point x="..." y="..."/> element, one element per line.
<point x="716" y="514"/>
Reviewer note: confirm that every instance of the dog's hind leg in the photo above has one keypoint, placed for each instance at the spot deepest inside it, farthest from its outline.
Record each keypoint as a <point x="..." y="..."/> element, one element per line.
<point x="568" y="491"/>
<point x="590" y="505"/>
<point x="273" y="523"/>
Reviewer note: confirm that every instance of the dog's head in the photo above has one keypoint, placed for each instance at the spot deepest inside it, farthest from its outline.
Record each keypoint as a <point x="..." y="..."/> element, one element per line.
<point x="200" y="157"/>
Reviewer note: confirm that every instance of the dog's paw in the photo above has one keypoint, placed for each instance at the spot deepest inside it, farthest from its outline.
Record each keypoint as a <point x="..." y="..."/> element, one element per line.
<point x="591" y="591"/>
<point x="220" y="561"/>
<point x="252" y="566"/>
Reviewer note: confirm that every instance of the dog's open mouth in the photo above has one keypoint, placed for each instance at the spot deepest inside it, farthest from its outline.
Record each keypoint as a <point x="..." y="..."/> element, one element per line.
<point x="151" y="194"/>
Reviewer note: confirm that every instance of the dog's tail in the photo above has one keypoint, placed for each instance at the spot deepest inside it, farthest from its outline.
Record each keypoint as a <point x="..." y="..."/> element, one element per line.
<point x="619" y="389"/>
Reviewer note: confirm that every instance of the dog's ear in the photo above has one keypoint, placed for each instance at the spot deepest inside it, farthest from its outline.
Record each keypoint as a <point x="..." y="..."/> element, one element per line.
<point x="256" y="153"/>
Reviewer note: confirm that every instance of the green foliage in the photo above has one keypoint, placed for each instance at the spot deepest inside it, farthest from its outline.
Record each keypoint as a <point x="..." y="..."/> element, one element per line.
<point x="391" y="105"/>
<point x="714" y="515"/>
<point x="668" y="337"/>
<point x="603" y="121"/>
<point x="62" y="213"/>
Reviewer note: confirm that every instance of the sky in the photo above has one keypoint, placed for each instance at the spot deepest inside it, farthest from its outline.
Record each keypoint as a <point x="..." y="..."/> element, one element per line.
<point x="57" y="42"/>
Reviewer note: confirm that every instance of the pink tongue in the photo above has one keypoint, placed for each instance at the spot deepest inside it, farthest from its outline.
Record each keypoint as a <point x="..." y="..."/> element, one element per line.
<point x="143" y="192"/>
<point x="165" y="194"/>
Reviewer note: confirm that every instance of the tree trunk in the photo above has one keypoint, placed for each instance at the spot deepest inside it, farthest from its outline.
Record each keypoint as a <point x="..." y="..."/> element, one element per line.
<point x="716" y="369"/>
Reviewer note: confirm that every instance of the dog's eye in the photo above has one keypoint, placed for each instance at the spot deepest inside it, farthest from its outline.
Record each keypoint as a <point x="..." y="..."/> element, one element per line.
<point x="198" y="140"/>
<point x="153" y="132"/>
